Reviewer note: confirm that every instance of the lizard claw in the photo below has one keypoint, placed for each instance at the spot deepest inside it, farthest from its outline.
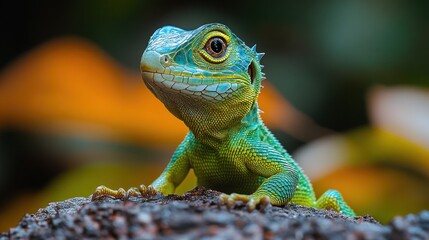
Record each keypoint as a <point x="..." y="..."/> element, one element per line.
<point x="148" y="192"/>
<point x="133" y="192"/>
<point x="141" y="191"/>
<point x="102" y="191"/>
<point x="250" y="200"/>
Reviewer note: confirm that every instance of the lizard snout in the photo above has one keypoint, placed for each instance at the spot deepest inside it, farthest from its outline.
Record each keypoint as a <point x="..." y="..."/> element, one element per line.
<point x="152" y="61"/>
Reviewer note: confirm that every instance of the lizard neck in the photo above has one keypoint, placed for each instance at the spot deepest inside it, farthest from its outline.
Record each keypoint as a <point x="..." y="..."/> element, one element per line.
<point x="213" y="122"/>
<point x="252" y="119"/>
<point x="215" y="133"/>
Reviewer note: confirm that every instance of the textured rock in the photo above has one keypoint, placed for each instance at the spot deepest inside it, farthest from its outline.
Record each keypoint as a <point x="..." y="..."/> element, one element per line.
<point x="198" y="214"/>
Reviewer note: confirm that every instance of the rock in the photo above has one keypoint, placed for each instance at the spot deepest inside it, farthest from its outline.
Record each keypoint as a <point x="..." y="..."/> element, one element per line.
<point x="198" y="214"/>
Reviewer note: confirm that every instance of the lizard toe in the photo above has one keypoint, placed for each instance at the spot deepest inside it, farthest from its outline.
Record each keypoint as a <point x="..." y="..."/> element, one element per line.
<point x="251" y="201"/>
<point x="133" y="192"/>
<point x="103" y="191"/>
<point x="148" y="191"/>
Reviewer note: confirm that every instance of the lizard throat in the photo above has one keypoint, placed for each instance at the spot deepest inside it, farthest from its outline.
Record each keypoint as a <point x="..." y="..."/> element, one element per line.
<point x="210" y="111"/>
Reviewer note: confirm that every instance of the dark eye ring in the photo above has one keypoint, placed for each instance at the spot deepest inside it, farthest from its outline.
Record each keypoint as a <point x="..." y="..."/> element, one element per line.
<point x="216" y="47"/>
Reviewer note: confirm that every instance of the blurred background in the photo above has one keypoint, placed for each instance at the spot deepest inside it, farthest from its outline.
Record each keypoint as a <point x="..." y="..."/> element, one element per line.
<point x="347" y="94"/>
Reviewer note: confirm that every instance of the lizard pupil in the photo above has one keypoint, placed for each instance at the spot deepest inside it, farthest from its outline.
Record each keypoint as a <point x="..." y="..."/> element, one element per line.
<point x="216" y="45"/>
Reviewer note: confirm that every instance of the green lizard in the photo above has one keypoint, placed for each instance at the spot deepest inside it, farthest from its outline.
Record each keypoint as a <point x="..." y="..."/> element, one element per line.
<point x="210" y="80"/>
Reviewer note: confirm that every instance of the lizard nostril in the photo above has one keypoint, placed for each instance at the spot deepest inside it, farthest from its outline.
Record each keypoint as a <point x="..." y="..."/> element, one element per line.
<point x="165" y="60"/>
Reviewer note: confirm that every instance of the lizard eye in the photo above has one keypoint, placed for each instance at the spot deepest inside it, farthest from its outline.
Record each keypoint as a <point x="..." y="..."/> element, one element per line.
<point x="216" y="47"/>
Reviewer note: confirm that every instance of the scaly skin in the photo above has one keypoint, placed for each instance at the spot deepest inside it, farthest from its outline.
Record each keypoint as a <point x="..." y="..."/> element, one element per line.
<point x="213" y="88"/>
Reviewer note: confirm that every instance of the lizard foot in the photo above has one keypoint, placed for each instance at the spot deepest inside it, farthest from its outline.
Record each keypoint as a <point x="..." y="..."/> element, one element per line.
<point x="141" y="191"/>
<point x="251" y="200"/>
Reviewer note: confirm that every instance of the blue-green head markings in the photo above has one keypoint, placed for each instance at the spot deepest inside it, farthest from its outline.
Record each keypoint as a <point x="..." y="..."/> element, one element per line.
<point x="209" y="67"/>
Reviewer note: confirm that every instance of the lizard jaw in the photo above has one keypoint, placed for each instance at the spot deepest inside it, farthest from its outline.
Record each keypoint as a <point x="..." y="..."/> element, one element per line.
<point x="157" y="73"/>
<point x="191" y="86"/>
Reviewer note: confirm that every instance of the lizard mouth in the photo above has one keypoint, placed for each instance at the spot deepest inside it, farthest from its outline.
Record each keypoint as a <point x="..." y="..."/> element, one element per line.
<point x="162" y="75"/>
<point x="207" y="88"/>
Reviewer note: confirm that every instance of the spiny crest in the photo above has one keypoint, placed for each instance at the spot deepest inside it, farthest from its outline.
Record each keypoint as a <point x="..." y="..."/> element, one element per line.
<point x="254" y="48"/>
<point x="259" y="55"/>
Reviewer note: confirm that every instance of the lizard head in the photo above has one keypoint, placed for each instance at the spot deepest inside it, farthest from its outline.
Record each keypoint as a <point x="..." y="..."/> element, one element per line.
<point x="206" y="76"/>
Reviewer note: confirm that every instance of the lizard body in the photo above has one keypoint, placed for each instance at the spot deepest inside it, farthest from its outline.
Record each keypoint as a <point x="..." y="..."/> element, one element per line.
<point x="210" y="80"/>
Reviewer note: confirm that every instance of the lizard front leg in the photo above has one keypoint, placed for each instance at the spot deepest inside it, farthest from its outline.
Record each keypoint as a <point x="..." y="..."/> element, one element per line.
<point x="165" y="184"/>
<point x="280" y="176"/>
